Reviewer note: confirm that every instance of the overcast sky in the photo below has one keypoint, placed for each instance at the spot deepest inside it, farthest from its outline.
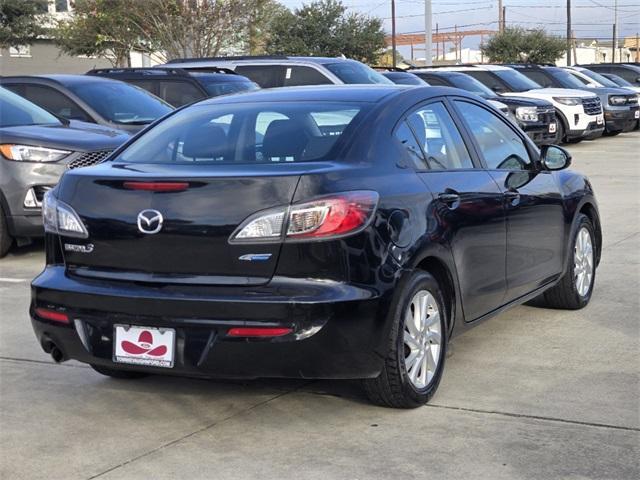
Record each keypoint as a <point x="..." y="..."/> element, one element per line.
<point x="591" y="18"/>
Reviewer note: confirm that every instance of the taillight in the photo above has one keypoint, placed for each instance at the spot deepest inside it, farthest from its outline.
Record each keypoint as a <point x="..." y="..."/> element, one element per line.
<point x="258" y="331"/>
<point x="326" y="217"/>
<point x="52" y="315"/>
<point x="157" y="186"/>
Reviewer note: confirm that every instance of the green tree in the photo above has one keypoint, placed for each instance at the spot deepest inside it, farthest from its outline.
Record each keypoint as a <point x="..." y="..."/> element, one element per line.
<point x="186" y="28"/>
<point x="103" y="28"/>
<point x="20" y="23"/>
<point x="517" y="45"/>
<point x="323" y="28"/>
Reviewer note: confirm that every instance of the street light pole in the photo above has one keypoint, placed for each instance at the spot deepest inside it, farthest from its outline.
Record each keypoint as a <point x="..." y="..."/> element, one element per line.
<point x="568" y="33"/>
<point x="393" y="33"/>
<point x="428" y="47"/>
<point x="615" y="28"/>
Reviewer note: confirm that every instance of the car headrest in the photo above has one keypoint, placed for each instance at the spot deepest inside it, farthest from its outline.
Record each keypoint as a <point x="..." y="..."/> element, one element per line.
<point x="284" y="138"/>
<point x="205" y="141"/>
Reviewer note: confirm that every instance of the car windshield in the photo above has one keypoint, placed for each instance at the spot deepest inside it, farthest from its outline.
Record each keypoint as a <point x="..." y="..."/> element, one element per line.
<point x="618" y="80"/>
<point x="120" y="102"/>
<point x="566" y="79"/>
<point x="602" y="80"/>
<point x="516" y="81"/>
<point x="17" y="111"/>
<point x="215" y="89"/>
<point x="356" y="73"/>
<point x="401" y="78"/>
<point x="241" y="133"/>
<point x="472" y="85"/>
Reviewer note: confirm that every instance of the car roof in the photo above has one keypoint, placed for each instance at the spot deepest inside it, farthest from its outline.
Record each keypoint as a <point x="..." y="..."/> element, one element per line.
<point x="217" y="74"/>
<point x="331" y="93"/>
<point x="261" y="59"/>
<point x="62" y="79"/>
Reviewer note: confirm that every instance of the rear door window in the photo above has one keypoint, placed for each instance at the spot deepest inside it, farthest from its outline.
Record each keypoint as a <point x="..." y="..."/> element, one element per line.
<point x="539" y="77"/>
<point x="178" y="93"/>
<point x="488" y="79"/>
<point x="267" y="76"/>
<point x="441" y="143"/>
<point x="298" y="75"/>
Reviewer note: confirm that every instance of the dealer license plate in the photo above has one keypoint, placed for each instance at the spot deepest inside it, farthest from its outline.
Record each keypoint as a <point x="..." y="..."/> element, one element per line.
<point x="552" y="128"/>
<point x="636" y="114"/>
<point x="149" y="346"/>
<point x="600" y="119"/>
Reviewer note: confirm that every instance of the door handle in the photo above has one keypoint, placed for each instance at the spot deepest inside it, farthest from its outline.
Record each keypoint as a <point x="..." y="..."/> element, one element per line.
<point x="450" y="198"/>
<point x="513" y="197"/>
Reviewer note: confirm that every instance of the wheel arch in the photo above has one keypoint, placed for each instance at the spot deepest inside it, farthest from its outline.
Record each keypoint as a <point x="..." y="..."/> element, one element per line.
<point x="591" y="212"/>
<point x="441" y="271"/>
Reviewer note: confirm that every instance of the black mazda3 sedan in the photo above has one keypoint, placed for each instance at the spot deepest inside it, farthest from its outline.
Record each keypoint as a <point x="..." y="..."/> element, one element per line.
<point x="312" y="232"/>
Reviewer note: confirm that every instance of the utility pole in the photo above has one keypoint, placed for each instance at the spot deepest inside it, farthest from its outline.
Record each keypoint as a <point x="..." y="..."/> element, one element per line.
<point x="428" y="47"/>
<point x="569" y="33"/>
<point x="500" y="20"/>
<point x="504" y="18"/>
<point x="614" y="45"/>
<point x="393" y="33"/>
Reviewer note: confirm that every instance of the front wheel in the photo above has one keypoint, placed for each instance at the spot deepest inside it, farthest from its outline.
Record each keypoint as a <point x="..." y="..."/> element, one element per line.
<point x="417" y="343"/>
<point x="574" y="289"/>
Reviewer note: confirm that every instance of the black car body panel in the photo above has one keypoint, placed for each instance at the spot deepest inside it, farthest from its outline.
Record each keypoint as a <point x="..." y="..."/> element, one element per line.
<point x="489" y="249"/>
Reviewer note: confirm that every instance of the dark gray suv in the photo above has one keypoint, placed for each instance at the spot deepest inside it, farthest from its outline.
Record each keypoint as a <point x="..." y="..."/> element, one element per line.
<point x="36" y="147"/>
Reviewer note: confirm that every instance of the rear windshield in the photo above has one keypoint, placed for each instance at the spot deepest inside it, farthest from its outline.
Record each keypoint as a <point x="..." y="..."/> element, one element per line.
<point x="215" y="89"/>
<point x="356" y="73"/>
<point x="256" y="133"/>
<point x="121" y="103"/>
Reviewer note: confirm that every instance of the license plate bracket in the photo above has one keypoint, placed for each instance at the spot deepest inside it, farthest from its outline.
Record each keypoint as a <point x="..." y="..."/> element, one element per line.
<point x="140" y="345"/>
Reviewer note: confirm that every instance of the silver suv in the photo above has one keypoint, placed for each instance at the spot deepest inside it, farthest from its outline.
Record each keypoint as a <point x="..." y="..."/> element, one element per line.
<point x="282" y="71"/>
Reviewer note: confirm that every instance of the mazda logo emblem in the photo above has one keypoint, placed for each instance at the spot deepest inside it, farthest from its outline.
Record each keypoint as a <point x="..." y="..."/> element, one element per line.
<point x="150" y="221"/>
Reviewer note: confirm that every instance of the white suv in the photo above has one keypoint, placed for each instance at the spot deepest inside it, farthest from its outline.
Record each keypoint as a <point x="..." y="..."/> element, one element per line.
<point x="580" y="113"/>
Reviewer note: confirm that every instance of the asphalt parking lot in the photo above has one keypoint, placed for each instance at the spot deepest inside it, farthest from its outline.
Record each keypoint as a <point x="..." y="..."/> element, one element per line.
<point x="530" y="394"/>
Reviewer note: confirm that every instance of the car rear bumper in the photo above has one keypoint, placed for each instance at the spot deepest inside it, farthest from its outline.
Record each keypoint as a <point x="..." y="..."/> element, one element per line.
<point x="338" y="329"/>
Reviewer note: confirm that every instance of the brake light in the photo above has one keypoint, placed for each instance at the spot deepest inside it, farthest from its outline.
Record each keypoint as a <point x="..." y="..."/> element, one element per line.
<point x="325" y="217"/>
<point x="52" y="315"/>
<point x="258" y="332"/>
<point x="157" y="186"/>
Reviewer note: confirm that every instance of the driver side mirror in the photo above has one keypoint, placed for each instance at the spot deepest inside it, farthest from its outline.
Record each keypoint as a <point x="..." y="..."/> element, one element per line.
<point x="497" y="89"/>
<point x="553" y="157"/>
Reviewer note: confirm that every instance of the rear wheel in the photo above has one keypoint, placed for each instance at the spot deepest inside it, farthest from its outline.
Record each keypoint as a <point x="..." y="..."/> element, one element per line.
<point x="116" y="373"/>
<point x="417" y="343"/>
<point x="576" y="286"/>
<point x="5" y="238"/>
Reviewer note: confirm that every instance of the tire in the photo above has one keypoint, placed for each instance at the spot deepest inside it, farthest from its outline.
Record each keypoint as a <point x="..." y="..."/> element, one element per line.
<point x="569" y="293"/>
<point x="561" y="131"/>
<point x="394" y="387"/>
<point x="5" y="238"/>
<point x="116" y="373"/>
<point x="612" y="133"/>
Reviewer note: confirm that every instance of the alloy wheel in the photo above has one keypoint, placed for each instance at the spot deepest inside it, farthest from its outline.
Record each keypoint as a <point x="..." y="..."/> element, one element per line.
<point x="583" y="262"/>
<point x="422" y="339"/>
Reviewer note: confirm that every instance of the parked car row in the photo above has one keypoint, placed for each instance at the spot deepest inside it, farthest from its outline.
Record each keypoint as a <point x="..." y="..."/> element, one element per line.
<point x="550" y="104"/>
